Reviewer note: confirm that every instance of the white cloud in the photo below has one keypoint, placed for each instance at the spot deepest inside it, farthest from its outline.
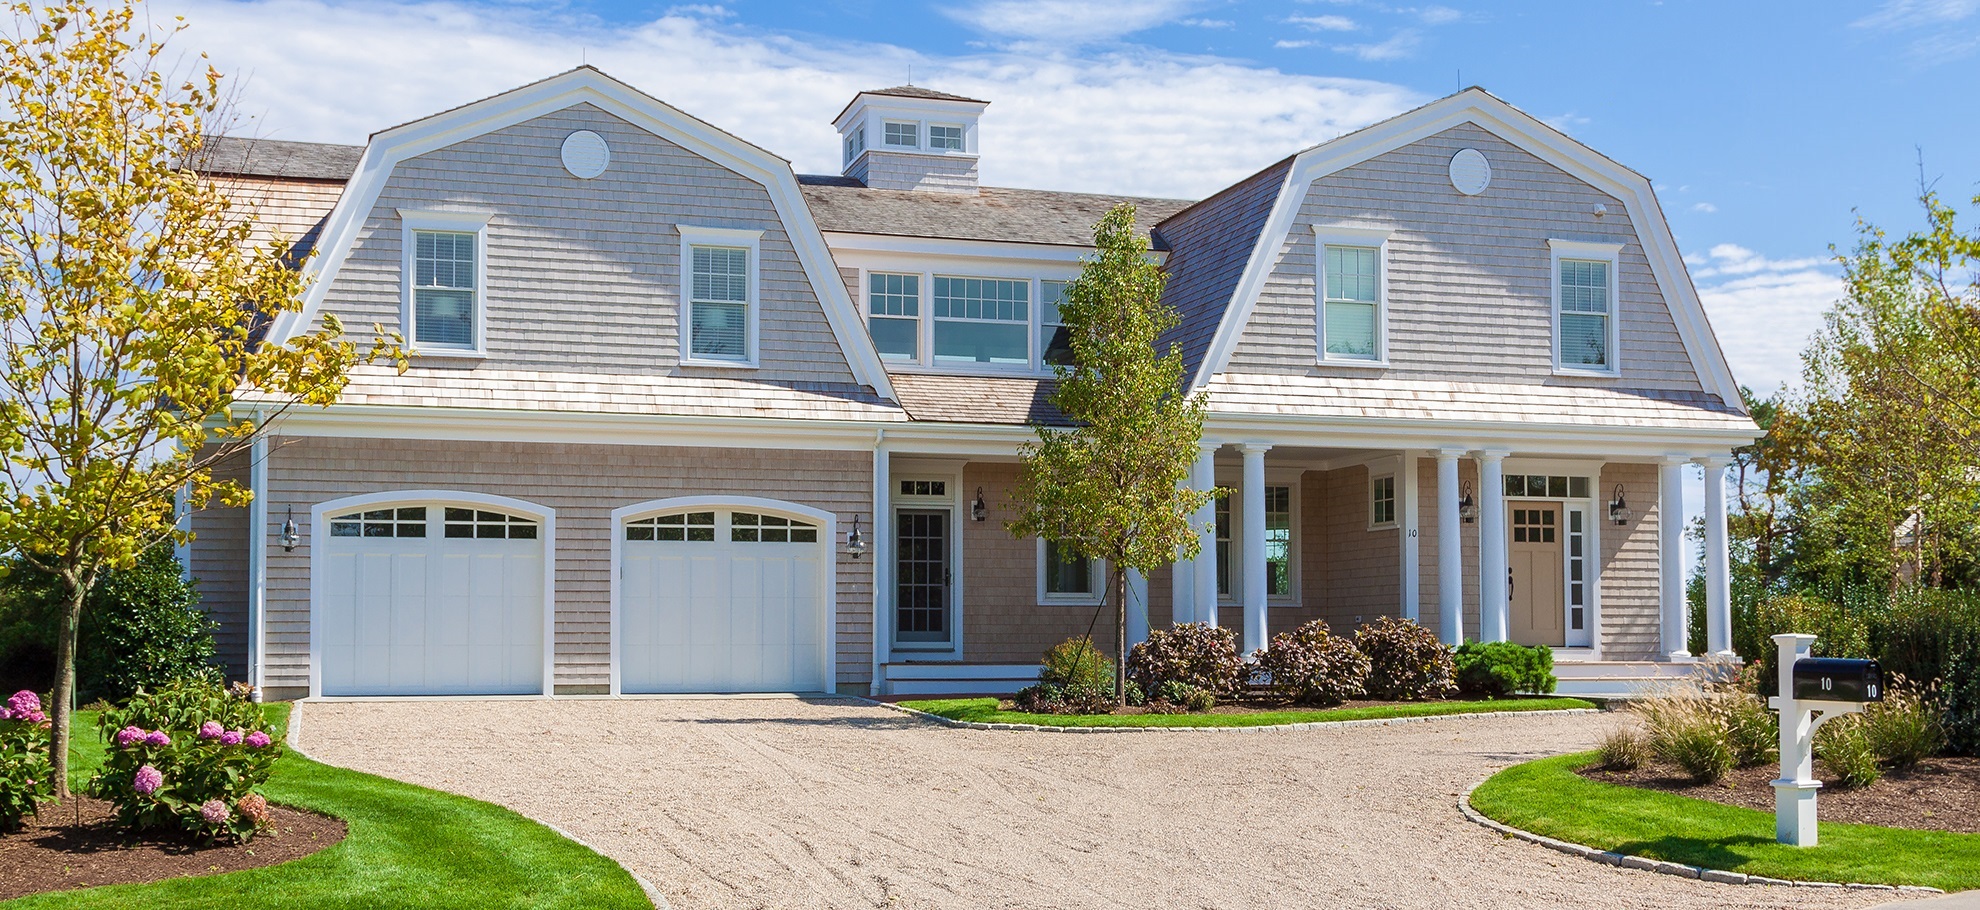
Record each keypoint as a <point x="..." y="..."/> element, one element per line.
<point x="1564" y="122"/>
<point x="1208" y="23"/>
<point x="1944" y="37"/>
<point x="1763" y="309"/>
<point x="1067" y="21"/>
<point x="1439" y="15"/>
<point x="1705" y="207"/>
<point x="1133" y="120"/>
<point x="1402" y="44"/>
<point x="706" y="10"/>
<point x="1285" y="44"/>
<point x="1324" y="23"/>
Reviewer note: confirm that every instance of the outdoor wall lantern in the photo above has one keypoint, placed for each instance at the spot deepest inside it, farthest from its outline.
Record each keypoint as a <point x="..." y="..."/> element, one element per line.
<point x="1467" y="508"/>
<point x="290" y="536"/>
<point x="977" y="510"/>
<point x="1618" y="509"/>
<point x="855" y="541"/>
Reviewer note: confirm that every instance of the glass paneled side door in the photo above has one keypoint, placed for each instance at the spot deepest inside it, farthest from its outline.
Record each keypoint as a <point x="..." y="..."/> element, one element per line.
<point x="921" y="577"/>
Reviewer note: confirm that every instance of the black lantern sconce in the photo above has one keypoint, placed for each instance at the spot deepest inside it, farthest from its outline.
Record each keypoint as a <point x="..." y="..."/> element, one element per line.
<point x="855" y="541"/>
<point x="290" y="536"/>
<point x="1618" y="509"/>
<point x="977" y="510"/>
<point x="1467" y="507"/>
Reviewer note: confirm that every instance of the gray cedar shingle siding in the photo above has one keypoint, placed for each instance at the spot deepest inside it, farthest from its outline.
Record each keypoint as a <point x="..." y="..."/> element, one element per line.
<point x="218" y="561"/>
<point x="1209" y="244"/>
<point x="1631" y="577"/>
<point x="584" y="275"/>
<point x="1470" y="288"/>
<point x="583" y="483"/>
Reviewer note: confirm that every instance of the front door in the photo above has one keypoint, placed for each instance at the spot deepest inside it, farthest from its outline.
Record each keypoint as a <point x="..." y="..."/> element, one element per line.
<point x="921" y="577"/>
<point x="1536" y="611"/>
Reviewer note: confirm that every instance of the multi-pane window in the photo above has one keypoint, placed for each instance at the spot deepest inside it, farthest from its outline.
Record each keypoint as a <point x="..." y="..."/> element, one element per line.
<point x="1054" y="342"/>
<point x="945" y="137"/>
<point x="405" y="522"/>
<point x="893" y="305"/>
<point x="695" y="526"/>
<point x="1577" y="568"/>
<point x="1223" y="537"/>
<point x="479" y="523"/>
<point x="855" y="144"/>
<point x="1354" y="283"/>
<point x="751" y="527"/>
<point x="719" y="303"/>
<point x="1382" y="500"/>
<point x="1533" y="525"/>
<point x="903" y="135"/>
<point x="982" y="320"/>
<point x="1065" y="573"/>
<point x="1278" y="541"/>
<point x="1552" y="486"/>
<point x="444" y="288"/>
<point x="924" y="488"/>
<point x="1584" y="309"/>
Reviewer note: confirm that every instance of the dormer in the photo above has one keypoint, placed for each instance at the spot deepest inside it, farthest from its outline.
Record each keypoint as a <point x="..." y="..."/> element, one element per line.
<point x="911" y="138"/>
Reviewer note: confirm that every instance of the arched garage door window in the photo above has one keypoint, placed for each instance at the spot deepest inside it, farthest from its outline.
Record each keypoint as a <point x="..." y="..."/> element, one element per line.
<point x="723" y="599"/>
<point x="431" y="598"/>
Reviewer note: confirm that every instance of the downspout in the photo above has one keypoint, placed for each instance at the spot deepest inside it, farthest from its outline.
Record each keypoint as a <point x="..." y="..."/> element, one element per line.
<point x="257" y="558"/>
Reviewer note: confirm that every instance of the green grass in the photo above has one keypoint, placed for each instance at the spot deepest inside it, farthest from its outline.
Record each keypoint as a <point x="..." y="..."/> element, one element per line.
<point x="985" y="711"/>
<point x="407" y="847"/>
<point x="1547" y="797"/>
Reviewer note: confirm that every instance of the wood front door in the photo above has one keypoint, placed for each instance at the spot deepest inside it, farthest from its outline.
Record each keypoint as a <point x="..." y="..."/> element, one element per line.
<point x="1537" y="609"/>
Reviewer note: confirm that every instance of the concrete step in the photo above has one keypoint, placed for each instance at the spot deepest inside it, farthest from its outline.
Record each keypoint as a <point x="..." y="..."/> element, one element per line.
<point x="938" y="678"/>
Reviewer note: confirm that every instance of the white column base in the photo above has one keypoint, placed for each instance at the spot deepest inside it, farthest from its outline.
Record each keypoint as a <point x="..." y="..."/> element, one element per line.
<point x="1794" y="811"/>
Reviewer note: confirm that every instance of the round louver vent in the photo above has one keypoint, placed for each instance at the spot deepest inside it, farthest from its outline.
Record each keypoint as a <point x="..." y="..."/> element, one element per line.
<point x="585" y="154"/>
<point x="1470" y="172"/>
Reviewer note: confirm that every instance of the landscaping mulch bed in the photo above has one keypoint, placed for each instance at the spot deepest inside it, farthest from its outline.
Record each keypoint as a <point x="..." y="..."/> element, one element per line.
<point x="77" y="844"/>
<point x="1938" y="794"/>
<point x="1250" y="706"/>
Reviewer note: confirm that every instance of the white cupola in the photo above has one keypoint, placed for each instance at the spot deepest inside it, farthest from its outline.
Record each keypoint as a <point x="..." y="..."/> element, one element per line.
<point x="911" y="138"/>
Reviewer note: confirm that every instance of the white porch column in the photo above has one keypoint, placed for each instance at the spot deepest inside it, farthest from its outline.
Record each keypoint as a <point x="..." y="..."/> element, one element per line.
<point x="1493" y="576"/>
<point x="1254" y="545"/>
<point x="1204" y="570"/>
<point x="1182" y="591"/>
<point x="1412" y="558"/>
<point x="1137" y="608"/>
<point x="880" y="548"/>
<point x="1718" y="561"/>
<point x="1450" y="550"/>
<point x="1670" y="541"/>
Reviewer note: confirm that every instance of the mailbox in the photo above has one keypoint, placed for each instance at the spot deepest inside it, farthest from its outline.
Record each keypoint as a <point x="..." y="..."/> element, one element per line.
<point x="1838" y="679"/>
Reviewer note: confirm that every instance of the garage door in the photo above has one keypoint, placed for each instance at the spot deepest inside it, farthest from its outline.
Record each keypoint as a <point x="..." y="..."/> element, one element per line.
<point x="431" y="599"/>
<point x="717" y="600"/>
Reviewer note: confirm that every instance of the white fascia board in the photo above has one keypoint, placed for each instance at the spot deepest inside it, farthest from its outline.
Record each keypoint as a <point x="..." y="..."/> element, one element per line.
<point x="1543" y="142"/>
<point x="918" y="108"/>
<point x="881" y="245"/>
<point x="391" y="147"/>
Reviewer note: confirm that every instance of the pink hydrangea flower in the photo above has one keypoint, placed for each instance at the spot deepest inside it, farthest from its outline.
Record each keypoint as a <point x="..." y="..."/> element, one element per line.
<point x="210" y="730"/>
<point x="214" y="811"/>
<point x="24" y="702"/>
<point x="257" y="740"/>
<point x="157" y="738"/>
<point x="230" y="738"/>
<point x="129" y="735"/>
<point x="147" y="780"/>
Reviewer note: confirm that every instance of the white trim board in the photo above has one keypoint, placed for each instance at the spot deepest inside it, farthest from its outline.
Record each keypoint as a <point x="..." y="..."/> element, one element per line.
<point x="1478" y="107"/>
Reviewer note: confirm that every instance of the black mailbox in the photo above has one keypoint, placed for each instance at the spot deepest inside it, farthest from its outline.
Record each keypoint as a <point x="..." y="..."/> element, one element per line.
<point x="1838" y="679"/>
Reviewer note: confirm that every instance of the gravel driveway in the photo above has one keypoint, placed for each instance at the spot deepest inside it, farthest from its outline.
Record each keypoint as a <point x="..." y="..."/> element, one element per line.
<point x="783" y="803"/>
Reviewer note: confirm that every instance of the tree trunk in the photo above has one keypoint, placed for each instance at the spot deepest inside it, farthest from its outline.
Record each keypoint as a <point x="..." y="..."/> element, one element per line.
<point x="1119" y="584"/>
<point x="64" y="696"/>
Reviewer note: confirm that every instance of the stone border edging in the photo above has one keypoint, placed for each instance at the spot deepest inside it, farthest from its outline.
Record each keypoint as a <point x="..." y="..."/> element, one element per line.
<point x="653" y="895"/>
<point x="1627" y="861"/>
<point x="1303" y="725"/>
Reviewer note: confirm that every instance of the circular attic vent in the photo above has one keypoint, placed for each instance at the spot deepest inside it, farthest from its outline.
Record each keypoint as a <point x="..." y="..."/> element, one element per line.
<point x="1470" y="172"/>
<point x="585" y="154"/>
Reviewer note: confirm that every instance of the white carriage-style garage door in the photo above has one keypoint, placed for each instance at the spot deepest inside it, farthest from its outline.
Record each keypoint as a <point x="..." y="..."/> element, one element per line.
<point x="431" y="599"/>
<point x="721" y="600"/>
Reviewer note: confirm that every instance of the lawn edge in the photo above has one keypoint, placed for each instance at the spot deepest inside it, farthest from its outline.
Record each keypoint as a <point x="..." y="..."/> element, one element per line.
<point x="1644" y="863"/>
<point x="1253" y="728"/>
<point x="293" y="738"/>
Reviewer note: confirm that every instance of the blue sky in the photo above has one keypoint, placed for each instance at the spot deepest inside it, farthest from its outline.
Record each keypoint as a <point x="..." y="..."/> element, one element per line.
<point x="1763" y="125"/>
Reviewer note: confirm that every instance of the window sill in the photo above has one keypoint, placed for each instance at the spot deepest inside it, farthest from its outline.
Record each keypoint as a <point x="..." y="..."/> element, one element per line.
<point x="1359" y="364"/>
<point x="446" y="354"/>
<point x="1010" y="372"/>
<point x="1385" y="526"/>
<point x="718" y="364"/>
<point x="1588" y="374"/>
<point x="1050" y="601"/>
<point x="924" y="649"/>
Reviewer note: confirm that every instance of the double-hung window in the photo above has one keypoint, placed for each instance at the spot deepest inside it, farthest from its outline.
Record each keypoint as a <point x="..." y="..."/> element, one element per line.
<point x="982" y="320"/>
<point x="1065" y="577"/>
<point x="1352" y="313"/>
<point x="719" y="285"/>
<point x="1382" y="502"/>
<point x="1054" y="342"/>
<point x="1278" y="541"/>
<point x="444" y="306"/>
<point x="855" y="144"/>
<point x="902" y="135"/>
<point x="1585" y="333"/>
<point x="893" y="305"/>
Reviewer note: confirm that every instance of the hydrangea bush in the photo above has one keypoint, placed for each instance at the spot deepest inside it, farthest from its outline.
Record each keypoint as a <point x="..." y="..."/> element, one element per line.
<point x="26" y="778"/>
<point x="189" y="757"/>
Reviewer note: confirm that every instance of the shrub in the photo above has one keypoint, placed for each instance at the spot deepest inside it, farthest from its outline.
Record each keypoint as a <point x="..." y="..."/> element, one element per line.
<point x="1076" y="662"/>
<point x="1185" y="697"/>
<point x="141" y="628"/>
<point x="1905" y="727"/>
<point x="1625" y="748"/>
<point x="1842" y="745"/>
<point x="1406" y="662"/>
<point x="1050" y="698"/>
<point x="1927" y="635"/>
<point x="26" y="778"/>
<point x="1312" y="666"/>
<point x="1839" y="631"/>
<point x="1501" y="668"/>
<point x="188" y="757"/>
<point x="1194" y="653"/>
<point x="1753" y="732"/>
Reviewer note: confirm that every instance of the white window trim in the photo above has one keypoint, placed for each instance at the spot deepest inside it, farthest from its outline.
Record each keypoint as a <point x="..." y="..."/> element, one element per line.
<point x="895" y="121"/>
<point x="1610" y="253"/>
<point x="1325" y="236"/>
<point x="476" y="223"/>
<point x="929" y="144"/>
<point x="952" y="502"/>
<point x="1282" y="477"/>
<point x="691" y="237"/>
<point x="1032" y="353"/>
<point x="1396" y="498"/>
<point x="855" y="143"/>
<point x="1098" y="569"/>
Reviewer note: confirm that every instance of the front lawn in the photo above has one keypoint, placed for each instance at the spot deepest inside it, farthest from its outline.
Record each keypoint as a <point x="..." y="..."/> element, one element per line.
<point x="407" y="846"/>
<point x="1547" y="797"/>
<point x="988" y="711"/>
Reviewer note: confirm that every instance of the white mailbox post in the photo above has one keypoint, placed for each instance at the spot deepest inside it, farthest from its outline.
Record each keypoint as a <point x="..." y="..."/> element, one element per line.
<point x="1794" y="792"/>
